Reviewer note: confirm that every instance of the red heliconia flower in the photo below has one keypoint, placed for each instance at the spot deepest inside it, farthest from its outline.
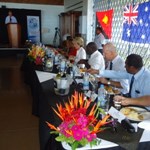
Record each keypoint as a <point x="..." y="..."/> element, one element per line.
<point x="78" y="120"/>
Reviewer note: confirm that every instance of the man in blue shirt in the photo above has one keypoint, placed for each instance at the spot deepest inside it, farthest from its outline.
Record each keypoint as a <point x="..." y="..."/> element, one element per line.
<point x="134" y="70"/>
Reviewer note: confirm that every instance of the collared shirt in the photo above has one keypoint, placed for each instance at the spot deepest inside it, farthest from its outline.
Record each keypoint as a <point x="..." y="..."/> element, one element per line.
<point x="13" y="19"/>
<point x="141" y="82"/>
<point x="96" y="61"/>
<point x="99" y="40"/>
<point x="81" y="54"/>
<point x="119" y="65"/>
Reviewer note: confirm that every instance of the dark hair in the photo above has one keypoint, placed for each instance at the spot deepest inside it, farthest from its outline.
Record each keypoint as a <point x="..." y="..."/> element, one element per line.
<point x="69" y="37"/>
<point x="99" y="28"/>
<point x="135" y="61"/>
<point x="91" y="47"/>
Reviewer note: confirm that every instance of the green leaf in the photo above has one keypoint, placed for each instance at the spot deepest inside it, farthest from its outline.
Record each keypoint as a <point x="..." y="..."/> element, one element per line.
<point x="91" y="127"/>
<point x="70" y="140"/>
<point x="74" y="145"/>
<point x="95" y="142"/>
<point x="83" y="142"/>
<point x="101" y="110"/>
<point x="60" y="138"/>
<point x="31" y="58"/>
<point x="54" y="132"/>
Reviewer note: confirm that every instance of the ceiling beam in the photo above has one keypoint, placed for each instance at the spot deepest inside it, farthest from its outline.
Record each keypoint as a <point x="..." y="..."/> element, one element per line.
<point x="49" y="2"/>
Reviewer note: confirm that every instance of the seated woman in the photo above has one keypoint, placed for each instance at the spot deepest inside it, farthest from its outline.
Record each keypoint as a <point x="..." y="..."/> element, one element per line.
<point x="78" y="43"/>
<point x="68" y="48"/>
<point x="72" y="51"/>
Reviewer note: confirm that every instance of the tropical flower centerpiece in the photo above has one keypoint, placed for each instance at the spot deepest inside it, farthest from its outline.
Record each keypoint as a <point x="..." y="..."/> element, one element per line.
<point x="79" y="123"/>
<point x="36" y="54"/>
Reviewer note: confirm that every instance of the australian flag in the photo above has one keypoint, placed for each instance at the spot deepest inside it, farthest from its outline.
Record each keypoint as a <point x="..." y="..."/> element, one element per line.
<point x="136" y="25"/>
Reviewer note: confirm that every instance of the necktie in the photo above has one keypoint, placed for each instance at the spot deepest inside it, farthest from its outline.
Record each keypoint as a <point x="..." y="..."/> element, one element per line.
<point x="131" y="84"/>
<point x="10" y="19"/>
<point x="110" y="67"/>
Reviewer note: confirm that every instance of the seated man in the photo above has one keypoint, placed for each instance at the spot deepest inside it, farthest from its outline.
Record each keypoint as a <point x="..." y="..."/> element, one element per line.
<point x="138" y="76"/>
<point x="115" y="62"/>
<point x="96" y="60"/>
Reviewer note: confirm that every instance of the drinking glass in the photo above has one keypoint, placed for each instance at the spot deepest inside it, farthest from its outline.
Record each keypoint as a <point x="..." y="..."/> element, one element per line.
<point x="94" y="82"/>
<point x="49" y="64"/>
<point x="107" y="103"/>
<point x="117" y="104"/>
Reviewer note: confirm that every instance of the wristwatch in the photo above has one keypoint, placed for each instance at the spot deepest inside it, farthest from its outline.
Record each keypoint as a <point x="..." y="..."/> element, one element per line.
<point x="109" y="83"/>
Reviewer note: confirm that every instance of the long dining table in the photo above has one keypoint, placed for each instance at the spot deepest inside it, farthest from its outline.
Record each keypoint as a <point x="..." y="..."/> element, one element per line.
<point x="44" y="98"/>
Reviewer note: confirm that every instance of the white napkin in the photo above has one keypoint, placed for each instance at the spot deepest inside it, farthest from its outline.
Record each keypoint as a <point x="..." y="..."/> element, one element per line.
<point x="44" y="76"/>
<point x="145" y="124"/>
<point x="145" y="136"/>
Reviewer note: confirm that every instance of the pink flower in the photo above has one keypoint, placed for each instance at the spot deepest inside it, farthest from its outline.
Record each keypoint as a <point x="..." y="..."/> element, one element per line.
<point x="77" y="132"/>
<point x="90" y="137"/>
<point x="83" y="121"/>
<point x="64" y="126"/>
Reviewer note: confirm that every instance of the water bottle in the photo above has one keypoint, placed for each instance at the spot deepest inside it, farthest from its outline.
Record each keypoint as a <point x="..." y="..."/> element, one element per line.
<point x="102" y="97"/>
<point x="63" y="65"/>
<point x="56" y="59"/>
<point x="86" y="82"/>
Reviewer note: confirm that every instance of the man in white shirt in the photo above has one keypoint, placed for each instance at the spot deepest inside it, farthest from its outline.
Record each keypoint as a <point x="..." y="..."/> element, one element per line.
<point x="99" y="39"/>
<point x="134" y="70"/>
<point x="10" y="18"/>
<point x="96" y="60"/>
<point x="115" y="62"/>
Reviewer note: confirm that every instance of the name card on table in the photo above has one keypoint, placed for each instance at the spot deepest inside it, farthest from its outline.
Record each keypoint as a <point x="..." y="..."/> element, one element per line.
<point x="91" y="95"/>
<point x="116" y="114"/>
<point x="122" y="119"/>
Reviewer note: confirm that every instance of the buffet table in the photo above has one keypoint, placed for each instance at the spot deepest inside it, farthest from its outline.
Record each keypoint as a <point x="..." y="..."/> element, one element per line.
<point x="44" y="98"/>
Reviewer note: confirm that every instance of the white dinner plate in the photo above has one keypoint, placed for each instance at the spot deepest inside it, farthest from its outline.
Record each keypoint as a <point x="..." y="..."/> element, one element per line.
<point x="144" y="124"/>
<point x="140" y="111"/>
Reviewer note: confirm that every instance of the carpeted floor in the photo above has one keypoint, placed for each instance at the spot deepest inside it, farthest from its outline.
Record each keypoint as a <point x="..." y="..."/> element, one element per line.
<point x="18" y="127"/>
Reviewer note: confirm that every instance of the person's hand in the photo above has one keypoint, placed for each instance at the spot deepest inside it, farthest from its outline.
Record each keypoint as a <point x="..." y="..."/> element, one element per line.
<point x="124" y="101"/>
<point x="103" y="80"/>
<point x="93" y="71"/>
